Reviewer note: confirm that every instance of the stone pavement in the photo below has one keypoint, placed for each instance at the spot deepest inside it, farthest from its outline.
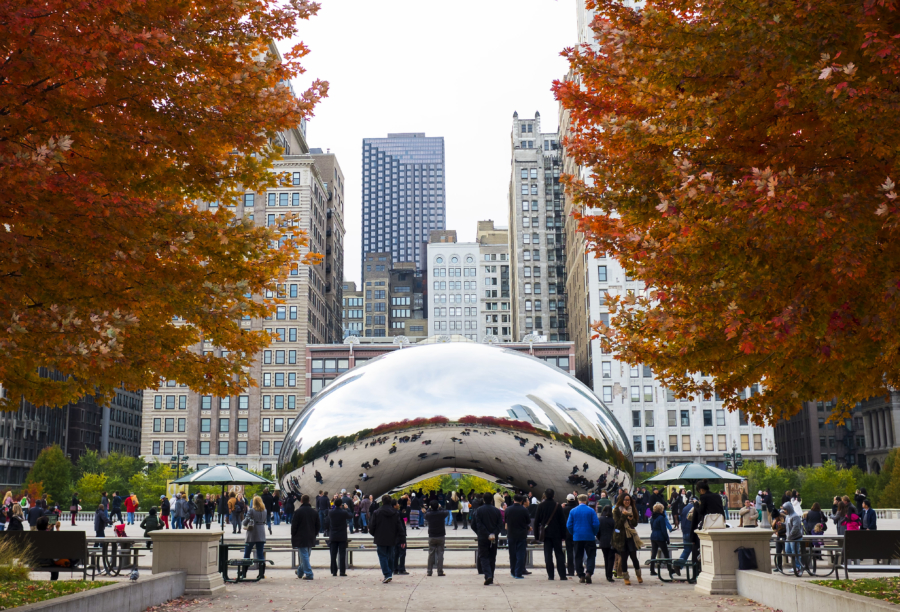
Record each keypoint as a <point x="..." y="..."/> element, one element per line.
<point x="460" y="590"/>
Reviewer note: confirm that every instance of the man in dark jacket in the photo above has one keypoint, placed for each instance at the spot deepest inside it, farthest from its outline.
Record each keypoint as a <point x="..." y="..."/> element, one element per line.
<point x="487" y="523"/>
<point x="117" y="507"/>
<point x="570" y="543"/>
<point x="33" y="515"/>
<point x="517" y="524"/>
<point x="304" y="531"/>
<point x="710" y="503"/>
<point x="687" y="532"/>
<point x="869" y="519"/>
<point x="436" y="518"/>
<point x="385" y="527"/>
<point x="550" y="527"/>
<point x="269" y="502"/>
<point x="323" y="506"/>
<point x="336" y="526"/>
<point x="400" y="545"/>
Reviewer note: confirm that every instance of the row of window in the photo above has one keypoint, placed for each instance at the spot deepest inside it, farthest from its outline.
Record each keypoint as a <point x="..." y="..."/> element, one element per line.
<point x="458" y="298"/>
<point x="683" y="443"/>
<point x="551" y="288"/>
<point x="470" y="272"/>
<point x="243" y="401"/>
<point x="168" y="448"/>
<point x="454" y="259"/>
<point x="455" y="285"/>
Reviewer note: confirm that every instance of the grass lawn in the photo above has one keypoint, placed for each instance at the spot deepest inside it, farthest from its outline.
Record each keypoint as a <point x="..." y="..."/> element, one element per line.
<point x="15" y="594"/>
<point x="887" y="589"/>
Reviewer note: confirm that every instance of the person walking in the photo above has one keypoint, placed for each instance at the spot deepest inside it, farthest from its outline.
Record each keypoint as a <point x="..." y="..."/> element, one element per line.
<point x="269" y="502"/>
<point x="73" y="508"/>
<point x="676" y="505"/>
<point x="550" y="528"/>
<point x="116" y="511"/>
<point x="793" y="525"/>
<point x="150" y="524"/>
<point x="34" y="514"/>
<point x="604" y="536"/>
<point x="487" y="523"/>
<point x="625" y="538"/>
<point x="464" y="512"/>
<point x="101" y="521"/>
<point x="234" y="512"/>
<point x="130" y="508"/>
<point x="336" y="527"/>
<point x="659" y="535"/>
<point x="571" y="503"/>
<point x="583" y="524"/>
<point x="749" y="515"/>
<point x="255" y="536"/>
<point x="305" y="530"/>
<point x="518" y="523"/>
<point x="386" y="527"/>
<point x="437" y="532"/>
<point x="687" y="532"/>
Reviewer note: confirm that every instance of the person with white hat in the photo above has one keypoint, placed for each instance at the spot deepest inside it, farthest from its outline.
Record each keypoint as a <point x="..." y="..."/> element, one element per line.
<point x="570" y="542"/>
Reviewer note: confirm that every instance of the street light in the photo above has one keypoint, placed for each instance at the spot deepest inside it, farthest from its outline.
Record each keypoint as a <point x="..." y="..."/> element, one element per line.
<point x="733" y="459"/>
<point x="178" y="460"/>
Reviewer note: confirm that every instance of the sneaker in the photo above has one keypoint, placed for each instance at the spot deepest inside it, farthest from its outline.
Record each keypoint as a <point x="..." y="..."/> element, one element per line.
<point x="520" y="577"/>
<point x="386" y="580"/>
<point x="305" y="577"/>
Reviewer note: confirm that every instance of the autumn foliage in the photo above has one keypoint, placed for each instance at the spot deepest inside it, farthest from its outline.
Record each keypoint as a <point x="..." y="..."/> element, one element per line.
<point x="744" y="156"/>
<point x="115" y="117"/>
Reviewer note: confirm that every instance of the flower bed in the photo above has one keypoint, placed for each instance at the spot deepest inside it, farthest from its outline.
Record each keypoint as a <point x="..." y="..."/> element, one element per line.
<point x="887" y="589"/>
<point x="20" y="593"/>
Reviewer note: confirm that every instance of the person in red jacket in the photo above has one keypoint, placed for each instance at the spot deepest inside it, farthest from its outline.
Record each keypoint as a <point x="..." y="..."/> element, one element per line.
<point x="131" y="505"/>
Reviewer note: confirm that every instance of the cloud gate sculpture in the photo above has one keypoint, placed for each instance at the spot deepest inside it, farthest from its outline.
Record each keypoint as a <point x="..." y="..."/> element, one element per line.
<point x="455" y="407"/>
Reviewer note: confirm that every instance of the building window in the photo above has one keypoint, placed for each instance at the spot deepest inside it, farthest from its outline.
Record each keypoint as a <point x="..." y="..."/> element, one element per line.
<point x="635" y="418"/>
<point x="635" y="394"/>
<point x="265" y="447"/>
<point x="224" y="425"/>
<point x="723" y="444"/>
<point x="156" y="424"/>
<point x="648" y="418"/>
<point x="673" y="418"/>
<point x="205" y="425"/>
<point x="206" y="402"/>
<point x="709" y="442"/>
<point x="673" y="444"/>
<point x="637" y="444"/>
<point x="745" y="442"/>
<point x="606" y="368"/>
<point x="685" y="418"/>
<point x="181" y="425"/>
<point x="168" y="448"/>
<point x="686" y="443"/>
<point x="204" y="448"/>
<point x="243" y="402"/>
<point x="720" y="418"/>
<point x="607" y="394"/>
<point x="757" y="442"/>
<point x="242" y="425"/>
<point x="156" y="447"/>
<point x="170" y="425"/>
<point x="225" y="403"/>
<point x="223" y="447"/>
<point x="707" y="419"/>
<point x="648" y="394"/>
<point x="601" y="274"/>
<point x="651" y="444"/>
<point x="242" y="447"/>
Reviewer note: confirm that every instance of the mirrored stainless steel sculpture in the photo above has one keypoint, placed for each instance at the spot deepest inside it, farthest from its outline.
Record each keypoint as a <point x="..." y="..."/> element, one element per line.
<point x="455" y="407"/>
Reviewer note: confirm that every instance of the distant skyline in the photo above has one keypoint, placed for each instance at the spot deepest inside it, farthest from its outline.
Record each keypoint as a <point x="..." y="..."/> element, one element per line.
<point x="455" y="71"/>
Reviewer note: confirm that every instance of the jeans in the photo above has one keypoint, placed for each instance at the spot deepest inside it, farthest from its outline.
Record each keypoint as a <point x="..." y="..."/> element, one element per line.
<point x="2" y="526"/>
<point x="177" y="522"/>
<point x="793" y="548"/>
<point x="338" y="557"/>
<point x="235" y="522"/>
<point x="688" y="547"/>
<point x="305" y="567"/>
<point x="322" y="516"/>
<point x="449" y="520"/>
<point x="487" y="557"/>
<point x="364" y="520"/>
<point x="399" y="559"/>
<point x="260" y="552"/>
<point x="386" y="559"/>
<point x="276" y="518"/>
<point x="130" y="516"/>
<point x="269" y="520"/>
<point x="582" y="548"/>
<point x="517" y="556"/>
<point x="609" y="561"/>
<point x="554" y="546"/>
<point x="436" y="554"/>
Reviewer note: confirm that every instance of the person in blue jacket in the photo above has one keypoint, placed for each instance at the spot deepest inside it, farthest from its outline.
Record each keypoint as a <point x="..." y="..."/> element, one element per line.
<point x="659" y="534"/>
<point x="583" y="524"/>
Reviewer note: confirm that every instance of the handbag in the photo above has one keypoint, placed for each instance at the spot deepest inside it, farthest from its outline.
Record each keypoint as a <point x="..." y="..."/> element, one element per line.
<point x="746" y="558"/>
<point x="248" y="523"/>
<point x="544" y="526"/>
<point x="73" y="508"/>
<point x="713" y="521"/>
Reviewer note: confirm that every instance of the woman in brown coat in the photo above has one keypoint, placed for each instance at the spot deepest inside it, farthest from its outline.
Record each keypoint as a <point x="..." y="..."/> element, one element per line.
<point x="625" y="539"/>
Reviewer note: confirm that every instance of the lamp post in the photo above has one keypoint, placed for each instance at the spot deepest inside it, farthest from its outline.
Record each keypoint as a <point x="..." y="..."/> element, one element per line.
<point x="733" y="459"/>
<point x="178" y="460"/>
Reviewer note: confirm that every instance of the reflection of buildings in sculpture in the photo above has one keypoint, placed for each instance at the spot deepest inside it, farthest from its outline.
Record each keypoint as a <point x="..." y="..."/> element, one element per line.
<point x="581" y="420"/>
<point x="559" y="424"/>
<point x="524" y="413"/>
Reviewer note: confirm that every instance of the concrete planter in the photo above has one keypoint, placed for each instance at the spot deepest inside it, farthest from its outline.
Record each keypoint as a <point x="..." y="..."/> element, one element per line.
<point x="794" y="595"/>
<point x="720" y="562"/>
<point x="121" y="597"/>
<point x="194" y="552"/>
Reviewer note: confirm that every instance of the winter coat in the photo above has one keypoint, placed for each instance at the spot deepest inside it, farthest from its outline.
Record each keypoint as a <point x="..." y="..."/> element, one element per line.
<point x="101" y="520"/>
<point x="487" y="520"/>
<point x="556" y="527"/>
<point x="336" y="524"/>
<point x="435" y="520"/>
<point x="622" y="520"/>
<point x="165" y="507"/>
<point x="130" y="506"/>
<point x="269" y="502"/>
<point x="257" y="533"/>
<point x="305" y="527"/>
<point x="659" y="528"/>
<point x="150" y="523"/>
<point x="793" y="524"/>
<point x="583" y="523"/>
<point x="386" y="526"/>
<point x="870" y="520"/>
<point x="813" y="518"/>
<point x="606" y="531"/>
<point x="517" y="522"/>
<point x="749" y="517"/>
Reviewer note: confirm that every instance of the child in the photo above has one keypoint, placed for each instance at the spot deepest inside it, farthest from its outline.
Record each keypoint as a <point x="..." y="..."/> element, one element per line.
<point x="151" y="523"/>
<point x="819" y="529"/>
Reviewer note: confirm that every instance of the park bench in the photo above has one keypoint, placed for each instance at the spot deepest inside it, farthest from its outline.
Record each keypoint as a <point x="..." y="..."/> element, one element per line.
<point x="872" y="545"/>
<point x="45" y="546"/>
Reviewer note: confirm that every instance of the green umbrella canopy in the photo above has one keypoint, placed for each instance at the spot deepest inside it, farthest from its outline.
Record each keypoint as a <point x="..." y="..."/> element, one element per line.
<point x="223" y="475"/>
<point x="691" y="473"/>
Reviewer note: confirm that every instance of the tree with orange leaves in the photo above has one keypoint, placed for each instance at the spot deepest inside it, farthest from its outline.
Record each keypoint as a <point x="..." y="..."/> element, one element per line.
<point x="116" y="116"/>
<point x="743" y="160"/>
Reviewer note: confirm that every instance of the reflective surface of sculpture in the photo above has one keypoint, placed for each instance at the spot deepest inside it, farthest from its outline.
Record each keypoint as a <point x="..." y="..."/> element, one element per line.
<point x="455" y="407"/>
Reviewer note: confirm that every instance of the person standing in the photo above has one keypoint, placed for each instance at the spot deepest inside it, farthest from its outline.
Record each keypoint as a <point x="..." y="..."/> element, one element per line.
<point x="323" y="506"/>
<point x="130" y="508"/>
<point x="104" y="499"/>
<point x="452" y="505"/>
<point x="687" y="532"/>
<point x="33" y="515"/>
<point x="570" y="504"/>
<point x="150" y="524"/>
<point x="73" y="508"/>
<point x="676" y="505"/>
<point x="583" y="524"/>
<point x="793" y="525"/>
<point x="437" y="532"/>
<point x="255" y="536"/>
<point x="116" y="511"/>
<point x="399" y="557"/>
<point x="659" y="534"/>
<point x="336" y="526"/>
<point x="364" y="506"/>
<point x="604" y="535"/>
<point x="869" y="519"/>
<point x="235" y="508"/>
<point x="101" y="521"/>
<point x="385" y="528"/>
<point x="305" y="530"/>
<point x="518" y="522"/>
<point x="625" y="538"/>
<point x="487" y="523"/>
<point x="464" y="512"/>
<point x="749" y="515"/>
<point x="550" y="526"/>
<point x="269" y="502"/>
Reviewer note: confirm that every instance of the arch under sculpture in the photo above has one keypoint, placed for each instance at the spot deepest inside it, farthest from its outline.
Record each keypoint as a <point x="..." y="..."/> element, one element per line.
<point x="455" y="407"/>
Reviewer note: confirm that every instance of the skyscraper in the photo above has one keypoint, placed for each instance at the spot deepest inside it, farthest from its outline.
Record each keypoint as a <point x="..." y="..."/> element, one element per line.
<point x="403" y="195"/>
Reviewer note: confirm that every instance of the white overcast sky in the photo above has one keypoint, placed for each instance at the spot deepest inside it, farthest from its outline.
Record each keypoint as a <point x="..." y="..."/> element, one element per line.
<point x="452" y="69"/>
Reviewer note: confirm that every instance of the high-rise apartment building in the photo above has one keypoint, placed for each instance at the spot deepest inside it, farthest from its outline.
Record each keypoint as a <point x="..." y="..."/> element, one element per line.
<point x="394" y="295"/>
<point x="808" y="439"/>
<point x="247" y="429"/>
<point x="354" y="307"/>
<point x="536" y="239"/>
<point x="469" y="285"/>
<point x="403" y="195"/>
